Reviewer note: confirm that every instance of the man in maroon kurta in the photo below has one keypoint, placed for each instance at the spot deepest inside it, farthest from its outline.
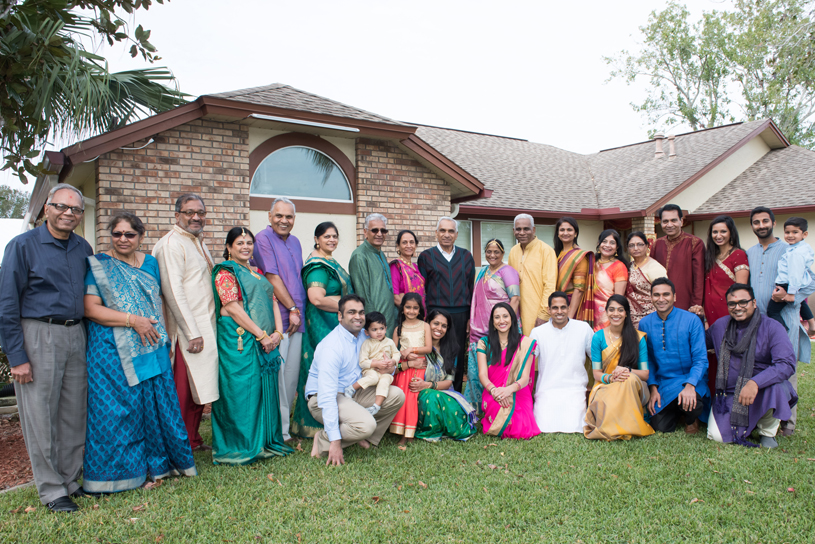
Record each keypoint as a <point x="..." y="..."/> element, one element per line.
<point x="683" y="256"/>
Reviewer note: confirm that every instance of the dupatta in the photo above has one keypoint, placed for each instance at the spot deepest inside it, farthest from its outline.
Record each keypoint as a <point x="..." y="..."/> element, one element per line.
<point x="526" y="347"/>
<point x="567" y="263"/>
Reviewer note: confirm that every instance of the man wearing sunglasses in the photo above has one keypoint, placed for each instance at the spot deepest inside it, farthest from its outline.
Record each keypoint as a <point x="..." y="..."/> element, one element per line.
<point x="41" y="310"/>
<point x="371" y="273"/>
<point x="756" y="360"/>
<point x="186" y="283"/>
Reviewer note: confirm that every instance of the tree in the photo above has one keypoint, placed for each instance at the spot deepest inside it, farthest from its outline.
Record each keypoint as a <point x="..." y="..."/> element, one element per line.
<point x="13" y="202"/>
<point x="54" y="86"/>
<point x="756" y="61"/>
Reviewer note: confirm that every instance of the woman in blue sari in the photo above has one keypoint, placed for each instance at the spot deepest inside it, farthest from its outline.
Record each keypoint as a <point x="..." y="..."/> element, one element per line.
<point x="134" y="429"/>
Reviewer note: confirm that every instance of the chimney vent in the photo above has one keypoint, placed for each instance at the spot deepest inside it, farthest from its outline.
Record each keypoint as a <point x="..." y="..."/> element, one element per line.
<point x="671" y="147"/>
<point x="658" y="139"/>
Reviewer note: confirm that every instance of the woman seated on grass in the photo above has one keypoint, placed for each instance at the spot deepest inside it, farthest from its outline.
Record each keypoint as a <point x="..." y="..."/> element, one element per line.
<point x="506" y="360"/>
<point x="619" y="359"/>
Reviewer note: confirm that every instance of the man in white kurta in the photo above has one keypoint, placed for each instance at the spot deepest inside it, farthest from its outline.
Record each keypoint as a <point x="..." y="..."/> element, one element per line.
<point x="563" y="346"/>
<point x="186" y="283"/>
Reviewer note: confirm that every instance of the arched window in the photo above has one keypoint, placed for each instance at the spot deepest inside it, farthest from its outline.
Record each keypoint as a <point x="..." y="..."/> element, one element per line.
<point x="301" y="172"/>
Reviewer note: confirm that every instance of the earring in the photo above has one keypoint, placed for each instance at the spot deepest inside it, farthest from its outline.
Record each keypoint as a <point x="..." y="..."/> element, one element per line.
<point x="229" y="255"/>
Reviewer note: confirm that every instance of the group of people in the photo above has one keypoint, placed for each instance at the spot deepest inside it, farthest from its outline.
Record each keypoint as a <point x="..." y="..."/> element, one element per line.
<point x="554" y="340"/>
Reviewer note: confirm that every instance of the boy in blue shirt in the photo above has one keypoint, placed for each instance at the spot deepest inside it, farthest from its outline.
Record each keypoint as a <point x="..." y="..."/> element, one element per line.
<point x="793" y="267"/>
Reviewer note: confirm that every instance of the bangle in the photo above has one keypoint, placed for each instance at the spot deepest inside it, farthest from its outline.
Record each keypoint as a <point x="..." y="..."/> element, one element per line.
<point x="278" y="332"/>
<point x="127" y="321"/>
<point x="261" y="337"/>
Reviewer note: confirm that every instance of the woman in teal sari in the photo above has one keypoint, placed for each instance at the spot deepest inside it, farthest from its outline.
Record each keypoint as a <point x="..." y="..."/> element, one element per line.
<point x="246" y="419"/>
<point x="325" y="282"/>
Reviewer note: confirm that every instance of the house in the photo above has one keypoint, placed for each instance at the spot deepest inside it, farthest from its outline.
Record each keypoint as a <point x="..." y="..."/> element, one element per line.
<point x="240" y="149"/>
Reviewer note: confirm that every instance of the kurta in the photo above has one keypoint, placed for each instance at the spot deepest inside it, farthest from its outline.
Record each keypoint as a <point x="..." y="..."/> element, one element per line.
<point x="676" y="354"/>
<point x="774" y="364"/>
<point x="371" y="278"/>
<point x="537" y="268"/>
<point x="684" y="259"/>
<point x="186" y="281"/>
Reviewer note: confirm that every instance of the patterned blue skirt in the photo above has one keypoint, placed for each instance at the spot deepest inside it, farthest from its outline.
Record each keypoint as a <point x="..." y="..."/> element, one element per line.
<point x="133" y="432"/>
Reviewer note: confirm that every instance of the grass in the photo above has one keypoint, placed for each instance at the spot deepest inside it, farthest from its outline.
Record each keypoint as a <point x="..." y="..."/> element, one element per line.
<point x="554" y="488"/>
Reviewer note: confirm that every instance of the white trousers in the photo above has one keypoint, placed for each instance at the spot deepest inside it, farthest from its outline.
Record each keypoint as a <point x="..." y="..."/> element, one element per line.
<point x="766" y="426"/>
<point x="291" y="351"/>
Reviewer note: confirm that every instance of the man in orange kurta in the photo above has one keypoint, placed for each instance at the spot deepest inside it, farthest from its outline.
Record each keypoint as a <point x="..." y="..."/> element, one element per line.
<point x="683" y="255"/>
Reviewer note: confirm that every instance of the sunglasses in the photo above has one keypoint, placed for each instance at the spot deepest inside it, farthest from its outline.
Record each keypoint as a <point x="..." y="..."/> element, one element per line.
<point x="377" y="231"/>
<point x="128" y="235"/>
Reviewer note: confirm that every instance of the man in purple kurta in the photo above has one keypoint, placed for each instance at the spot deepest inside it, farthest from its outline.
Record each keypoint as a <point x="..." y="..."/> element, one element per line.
<point x="747" y="399"/>
<point x="279" y="255"/>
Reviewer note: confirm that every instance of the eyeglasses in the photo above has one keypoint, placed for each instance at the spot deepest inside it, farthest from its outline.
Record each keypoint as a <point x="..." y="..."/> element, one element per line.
<point x="731" y="304"/>
<point x="128" y="235"/>
<point x="62" y="208"/>
<point x="377" y="231"/>
<point x="636" y="246"/>
<point x="191" y="213"/>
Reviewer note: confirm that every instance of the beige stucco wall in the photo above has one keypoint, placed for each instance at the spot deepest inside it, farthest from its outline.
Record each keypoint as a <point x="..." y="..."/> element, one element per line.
<point x="715" y="180"/>
<point x="304" y="226"/>
<point x="589" y="233"/>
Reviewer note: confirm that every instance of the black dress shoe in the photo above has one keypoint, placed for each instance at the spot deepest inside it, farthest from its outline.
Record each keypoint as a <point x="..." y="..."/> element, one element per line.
<point x="82" y="494"/>
<point x="62" y="504"/>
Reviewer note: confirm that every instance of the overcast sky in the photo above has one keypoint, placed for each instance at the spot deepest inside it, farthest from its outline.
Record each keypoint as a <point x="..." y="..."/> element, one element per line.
<point x="526" y="69"/>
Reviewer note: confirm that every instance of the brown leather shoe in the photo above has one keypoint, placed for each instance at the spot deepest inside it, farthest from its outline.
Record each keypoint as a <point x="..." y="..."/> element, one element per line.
<point x="693" y="428"/>
<point x="202" y="447"/>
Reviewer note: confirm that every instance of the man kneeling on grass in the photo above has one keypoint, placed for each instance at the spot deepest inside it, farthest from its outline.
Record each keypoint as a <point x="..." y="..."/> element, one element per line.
<point x="756" y="360"/>
<point x="336" y="366"/>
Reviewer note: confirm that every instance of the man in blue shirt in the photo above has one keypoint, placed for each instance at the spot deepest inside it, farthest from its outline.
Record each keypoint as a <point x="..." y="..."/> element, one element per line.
<point x="335" y="367"/>
<point x="41" y="310"/>
<point x="677" y="357"/>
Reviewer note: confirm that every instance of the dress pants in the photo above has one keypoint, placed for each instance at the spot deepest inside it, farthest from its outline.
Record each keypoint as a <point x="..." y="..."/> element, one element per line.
<point x="460" y="320"/>
<point x="766" y="426"/>
<point x="190" y="411"/>
<point x="665" y="421"/>
<point x="291" y="349"/>
<point x="356" y="423"/>
<point x="53" y="408"/>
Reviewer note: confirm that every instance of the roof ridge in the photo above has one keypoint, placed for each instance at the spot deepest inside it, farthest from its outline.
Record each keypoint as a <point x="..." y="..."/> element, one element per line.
<point x="473" y="132"/>
<point x="684" y="134"/>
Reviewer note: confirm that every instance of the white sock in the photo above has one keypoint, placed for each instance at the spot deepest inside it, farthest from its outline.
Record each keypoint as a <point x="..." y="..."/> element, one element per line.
<point x="349" y="391"/>
<point x="373" y="409"/>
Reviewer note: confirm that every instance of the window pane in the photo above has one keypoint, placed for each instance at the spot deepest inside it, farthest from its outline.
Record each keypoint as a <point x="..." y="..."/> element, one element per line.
<point x="300" y="172"/>
<point x="465" y="235"/>
<point x="546" y="233"/>
<point x="502" y="231"/>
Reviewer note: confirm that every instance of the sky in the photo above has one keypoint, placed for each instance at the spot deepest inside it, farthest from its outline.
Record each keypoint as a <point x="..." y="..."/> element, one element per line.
<point x="525" y="69"/>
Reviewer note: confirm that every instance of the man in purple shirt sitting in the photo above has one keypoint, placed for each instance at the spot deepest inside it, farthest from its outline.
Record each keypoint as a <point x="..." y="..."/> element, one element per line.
<point x="279" y="255"/>
<point x="755" y="362"/>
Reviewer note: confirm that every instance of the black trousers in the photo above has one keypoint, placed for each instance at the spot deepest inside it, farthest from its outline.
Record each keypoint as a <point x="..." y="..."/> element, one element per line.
<point x="774" y="308"/>
<point x="665" y="421"/>
<point x="460" y="320"/>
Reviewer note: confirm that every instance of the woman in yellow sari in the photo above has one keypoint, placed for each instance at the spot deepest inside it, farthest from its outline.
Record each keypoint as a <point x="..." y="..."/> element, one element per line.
<point x="619" y="358"/>
<point x="575" y="270"/>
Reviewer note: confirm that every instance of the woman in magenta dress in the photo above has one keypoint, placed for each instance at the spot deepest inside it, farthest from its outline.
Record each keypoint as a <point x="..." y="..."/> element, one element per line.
<point x="506" y="360"/>
<point x="405" y="274"/>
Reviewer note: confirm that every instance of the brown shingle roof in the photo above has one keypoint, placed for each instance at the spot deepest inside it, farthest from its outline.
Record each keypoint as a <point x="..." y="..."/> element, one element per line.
<point x="284" y="96"/>
<point x="790" y="168"/>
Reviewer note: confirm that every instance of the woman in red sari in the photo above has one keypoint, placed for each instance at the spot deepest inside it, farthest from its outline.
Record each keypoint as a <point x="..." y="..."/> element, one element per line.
<point x="725" y="264"/>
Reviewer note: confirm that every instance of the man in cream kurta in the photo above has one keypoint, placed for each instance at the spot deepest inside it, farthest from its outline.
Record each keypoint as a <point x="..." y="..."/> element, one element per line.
<point x="536" y="264"/>
<point x="186" y="283"/>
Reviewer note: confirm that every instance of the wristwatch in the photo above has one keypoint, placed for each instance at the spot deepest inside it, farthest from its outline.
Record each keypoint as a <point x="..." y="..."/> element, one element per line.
<point x="293" y="308"/>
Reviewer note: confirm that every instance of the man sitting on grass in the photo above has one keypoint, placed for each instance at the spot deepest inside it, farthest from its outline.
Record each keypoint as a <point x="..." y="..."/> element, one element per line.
<point x="336" y="366"/>
<point x="756" y="360"/>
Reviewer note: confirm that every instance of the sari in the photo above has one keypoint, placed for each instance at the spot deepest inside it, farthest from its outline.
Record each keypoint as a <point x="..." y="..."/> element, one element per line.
<point x="406" y="278"/>
<point x="576" y="271"/>
<point x="328" y="274"/>
<point x="518" y="420"/>
<point x="615" y="410"/>
<point x="638" y="290"/>
<point x="605" y="276"/>
<point x="443" y="413"/>
<point x="134" y="426"/>
<point x="246" y="422"/>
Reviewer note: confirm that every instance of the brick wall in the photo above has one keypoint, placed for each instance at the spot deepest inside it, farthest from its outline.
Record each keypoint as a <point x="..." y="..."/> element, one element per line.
<point x="645" y="225"/>
<point x="204" y="157"/>
<point x="390" y="182"/>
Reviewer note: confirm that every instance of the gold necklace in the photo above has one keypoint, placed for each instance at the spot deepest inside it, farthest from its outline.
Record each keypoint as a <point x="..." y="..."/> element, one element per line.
<point x="255" y="274"/>
<point x="118" y="256"/>
<point x="606" y="261"/>
<point x="404" y="261"/>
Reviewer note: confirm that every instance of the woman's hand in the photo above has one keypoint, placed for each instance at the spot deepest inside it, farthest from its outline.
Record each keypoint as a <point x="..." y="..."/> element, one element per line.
<point x="267" y="344"/>
<point x="503" y="395"/>
<point x="620" y="374"/>
<point x="144" y="327"/>
<point x="405" y="352"/>
<point x="417" y="385"/>
<point x="276" y="339"/>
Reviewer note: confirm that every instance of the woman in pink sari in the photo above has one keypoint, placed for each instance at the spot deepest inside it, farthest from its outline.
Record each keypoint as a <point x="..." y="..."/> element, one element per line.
<point x="405" y="275"/>
<point x="610" y="274"/>
<point x="644" y="270"/>
<point x="506" y="360"/>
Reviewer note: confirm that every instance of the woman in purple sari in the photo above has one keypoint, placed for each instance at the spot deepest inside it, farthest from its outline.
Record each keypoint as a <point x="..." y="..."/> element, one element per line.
<point x="405" y="275"/>
<point x="497" y="282"/>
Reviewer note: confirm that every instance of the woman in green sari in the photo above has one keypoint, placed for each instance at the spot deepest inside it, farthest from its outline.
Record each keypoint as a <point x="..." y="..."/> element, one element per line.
<point x="246" y="422"/>
<point x="325" y="282"/>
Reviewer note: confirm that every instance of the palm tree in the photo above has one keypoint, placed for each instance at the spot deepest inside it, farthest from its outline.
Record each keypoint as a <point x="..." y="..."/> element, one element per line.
<point x="53" y="86"/>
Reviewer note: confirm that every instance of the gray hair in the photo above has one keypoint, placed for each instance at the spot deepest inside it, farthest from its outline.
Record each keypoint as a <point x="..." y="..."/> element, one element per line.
<point x="438" y="223"/>
<point x="284" y="200"/>
<point x="375" y="217"/>
<point x="60" y="187"/>
<point x="183" y="199"/>
<point x="524" y="216"/>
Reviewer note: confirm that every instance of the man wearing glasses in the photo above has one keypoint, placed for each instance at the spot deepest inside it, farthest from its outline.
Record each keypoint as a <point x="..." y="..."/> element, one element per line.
<point x="756" y="360"/>
<point x="677" y="358"/>
<point x="186" y="283"/>
<point x="371" y="273"/>
<point x="41" y="310"/>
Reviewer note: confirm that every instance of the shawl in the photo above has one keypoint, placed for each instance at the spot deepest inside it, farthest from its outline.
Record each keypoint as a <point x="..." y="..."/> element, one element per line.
<point x="739" y="414"/>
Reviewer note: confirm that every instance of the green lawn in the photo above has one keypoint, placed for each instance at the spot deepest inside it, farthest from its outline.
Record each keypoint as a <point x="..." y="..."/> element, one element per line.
<point x="555" y="488"/>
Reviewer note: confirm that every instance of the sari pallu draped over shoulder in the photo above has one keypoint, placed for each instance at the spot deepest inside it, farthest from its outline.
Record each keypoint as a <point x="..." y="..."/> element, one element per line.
<point x="567" y="263"/>
<point x="504" y="416"/>
<point x="131" y="290"/>
<point x="246" y="422"/>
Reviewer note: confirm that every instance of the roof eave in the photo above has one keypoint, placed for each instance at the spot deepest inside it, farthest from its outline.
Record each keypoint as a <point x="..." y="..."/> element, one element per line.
<point x="781" y="210"/>
<point x="437" y="160"/>
<point x="587" y="214"/>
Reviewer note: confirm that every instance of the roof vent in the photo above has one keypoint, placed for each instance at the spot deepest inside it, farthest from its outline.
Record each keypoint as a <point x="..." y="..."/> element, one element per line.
<point x="671" y="147"/>
<point x="658" y="139"/>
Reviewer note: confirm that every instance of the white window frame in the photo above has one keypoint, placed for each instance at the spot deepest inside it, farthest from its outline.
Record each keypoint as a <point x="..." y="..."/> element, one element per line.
<point x="311" y="198"/>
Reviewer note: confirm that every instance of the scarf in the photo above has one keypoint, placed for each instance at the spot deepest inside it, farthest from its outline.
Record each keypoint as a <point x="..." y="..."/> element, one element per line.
<point x="739" y="414"/>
